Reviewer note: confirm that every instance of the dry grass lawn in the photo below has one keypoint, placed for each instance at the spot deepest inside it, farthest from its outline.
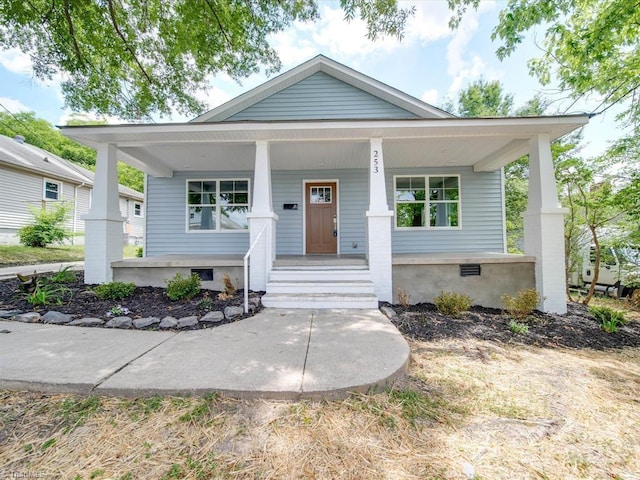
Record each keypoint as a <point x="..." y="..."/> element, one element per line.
<point x="469" y="409"/>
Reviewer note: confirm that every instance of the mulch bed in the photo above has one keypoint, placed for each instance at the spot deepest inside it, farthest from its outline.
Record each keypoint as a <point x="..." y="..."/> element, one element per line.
<point x="576" y="329"/>
<point x="145" y="302"/>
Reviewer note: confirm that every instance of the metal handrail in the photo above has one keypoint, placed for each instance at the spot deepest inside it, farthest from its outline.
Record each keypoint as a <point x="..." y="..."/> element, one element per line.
<point x="246" y="267"/>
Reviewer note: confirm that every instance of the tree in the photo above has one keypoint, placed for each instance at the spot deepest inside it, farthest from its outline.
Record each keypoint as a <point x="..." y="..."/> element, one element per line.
<point x="487" y="98"/>
<point x="132" y="58"/>
<point x="590" y="46"/>
<point x="42" y="134"/>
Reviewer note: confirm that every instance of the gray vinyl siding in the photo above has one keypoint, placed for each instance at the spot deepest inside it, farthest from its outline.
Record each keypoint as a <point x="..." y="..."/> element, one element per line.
<point x="481" y="215"/>
<point x="82" y="206"/>
<point x="352" y="198"/>
<point x="166" y="219"/>
<point x="321" y="97"/>
<point x="19" y="191"/>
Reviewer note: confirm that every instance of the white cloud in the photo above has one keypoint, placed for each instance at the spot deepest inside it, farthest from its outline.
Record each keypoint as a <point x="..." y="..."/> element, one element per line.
<point x="292" y="48"/>
<point x="460" y="66"/>
<point x="16" y="62"/>
<point x="429" y="23"/>
<point x="430" y="96"/>
<point x="13" y="105"/>
<point x="347" y="39"/>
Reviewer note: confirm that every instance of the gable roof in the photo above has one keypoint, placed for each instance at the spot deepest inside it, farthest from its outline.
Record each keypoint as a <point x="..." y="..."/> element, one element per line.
<point x="41" y="162"/>
<point x="334" y="69"/>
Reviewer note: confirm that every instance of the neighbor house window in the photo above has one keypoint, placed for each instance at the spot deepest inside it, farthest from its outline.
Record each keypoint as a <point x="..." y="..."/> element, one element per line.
<point x="51" y="190"/>
<point x="217" y="205"/>
<point x="427" y="201"/>
<point x="137" y="209"/>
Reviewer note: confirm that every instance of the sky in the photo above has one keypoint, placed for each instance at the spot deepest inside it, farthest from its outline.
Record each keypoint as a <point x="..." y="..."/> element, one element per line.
<point x="432" y="63"/>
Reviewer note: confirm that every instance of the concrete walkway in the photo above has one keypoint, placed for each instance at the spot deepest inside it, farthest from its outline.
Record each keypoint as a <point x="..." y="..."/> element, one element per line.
<point x="284" y="354"/>
<point x="10" y="272"/>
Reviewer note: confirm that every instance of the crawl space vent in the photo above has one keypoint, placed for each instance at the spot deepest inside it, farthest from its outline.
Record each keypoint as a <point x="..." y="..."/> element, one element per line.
<point x="469" y="270"/>
<point x="205" y="274"/>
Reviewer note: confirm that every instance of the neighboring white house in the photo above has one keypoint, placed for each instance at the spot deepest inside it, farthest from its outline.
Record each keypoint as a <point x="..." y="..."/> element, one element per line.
<point x="341" y="189"/>
<point x="33" y="177"/>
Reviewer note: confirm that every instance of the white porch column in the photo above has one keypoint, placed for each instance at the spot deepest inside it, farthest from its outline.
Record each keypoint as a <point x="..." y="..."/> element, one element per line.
<point x="103" y="223"/>
<point x="379" y="226"/>
<point x="544" y="227"/>
<point x="262" y="214"/>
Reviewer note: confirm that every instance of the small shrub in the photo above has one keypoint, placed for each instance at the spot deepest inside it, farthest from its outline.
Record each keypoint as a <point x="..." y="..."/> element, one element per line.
<point x="229" y="287"/>
<point x="523" y="304"/>
<point x="46" y="293"/>
<point x="114" y="290"/>
<point x="118" y="311"/>
<point x="206" y="303"/>
<point x="452" y="303"/>
<point x="183" y="288"/>
<point x="403" y="297"/>
<point x="64" y="276"/>
<point x="47" y="227"/>
<point x="608" y="318"/>
<point x="518" y="327"/>
<point x="139" y="252"/>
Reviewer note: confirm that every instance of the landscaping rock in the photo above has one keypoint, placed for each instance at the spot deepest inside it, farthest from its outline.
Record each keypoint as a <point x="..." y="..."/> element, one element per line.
<point x="29" y="317"/>
<point x="233" y="312"/>
<point x="9" y="313"/>
<point x="187" y="322"/>
<point x="120" y="322"/>
<point x="56" y="318"/>
<point x="254" y="303"/>
<point x="388" y="311"/>
<point x="168" y="322"/>
<point x="213" y="317"/>
<point x="86" y="322"/>
<point x="145" y="322"/>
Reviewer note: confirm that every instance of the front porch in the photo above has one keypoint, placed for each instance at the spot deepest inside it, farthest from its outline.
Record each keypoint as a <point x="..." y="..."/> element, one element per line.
<point x="366" y="162"/>
<point x="344" y="281"/>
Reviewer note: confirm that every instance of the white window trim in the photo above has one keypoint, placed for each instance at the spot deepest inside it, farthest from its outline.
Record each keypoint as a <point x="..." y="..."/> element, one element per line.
<point x="218" y="223"/>
<point x="44" y="190"/>
<point x="138" y="215"/>
<point x="426" y="177"/>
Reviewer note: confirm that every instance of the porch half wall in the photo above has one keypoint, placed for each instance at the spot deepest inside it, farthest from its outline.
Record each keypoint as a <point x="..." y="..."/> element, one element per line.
<point x="424" y="277"/>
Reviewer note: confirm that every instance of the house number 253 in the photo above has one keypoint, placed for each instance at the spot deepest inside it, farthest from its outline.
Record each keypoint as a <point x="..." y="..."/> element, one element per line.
<point x="376" y="161"/>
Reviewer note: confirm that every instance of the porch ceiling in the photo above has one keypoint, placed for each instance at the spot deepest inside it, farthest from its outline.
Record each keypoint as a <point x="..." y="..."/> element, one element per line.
<point x="485" y="144"/>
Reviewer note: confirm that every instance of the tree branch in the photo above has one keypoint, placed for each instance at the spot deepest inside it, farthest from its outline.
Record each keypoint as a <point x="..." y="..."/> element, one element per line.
<point x="220" y="27"/>
<point x="76" y="47"/>
<point x="112" y="13"/>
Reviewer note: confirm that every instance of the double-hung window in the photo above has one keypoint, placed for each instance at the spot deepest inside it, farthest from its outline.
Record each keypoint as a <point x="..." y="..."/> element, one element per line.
<point x="51" y="190"/>
<point x="217" y="205"/>
<point x="427" y="201"/>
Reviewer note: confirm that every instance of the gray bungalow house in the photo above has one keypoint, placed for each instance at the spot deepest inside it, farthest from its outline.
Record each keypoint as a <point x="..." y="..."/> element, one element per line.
<point x="33" y="177"/>
<point x="337" y="191"/>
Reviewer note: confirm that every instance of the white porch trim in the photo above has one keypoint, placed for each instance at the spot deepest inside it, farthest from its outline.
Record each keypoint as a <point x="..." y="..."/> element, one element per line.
<point x="379" y="225"/>
<point x="103" y="223"/>
<point x="261" y="260"/>
<point x="544" y="227"/>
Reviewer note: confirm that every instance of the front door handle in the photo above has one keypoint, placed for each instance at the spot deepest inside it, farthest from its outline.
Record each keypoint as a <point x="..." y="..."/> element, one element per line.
<point x="335" y="226"/>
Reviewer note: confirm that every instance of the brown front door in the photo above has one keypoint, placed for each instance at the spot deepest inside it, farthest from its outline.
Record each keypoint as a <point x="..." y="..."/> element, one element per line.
<point x="322" y="219"/>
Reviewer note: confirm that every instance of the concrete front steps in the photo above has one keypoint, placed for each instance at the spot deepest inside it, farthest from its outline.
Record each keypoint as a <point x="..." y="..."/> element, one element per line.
<point x="320" y="286"/>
